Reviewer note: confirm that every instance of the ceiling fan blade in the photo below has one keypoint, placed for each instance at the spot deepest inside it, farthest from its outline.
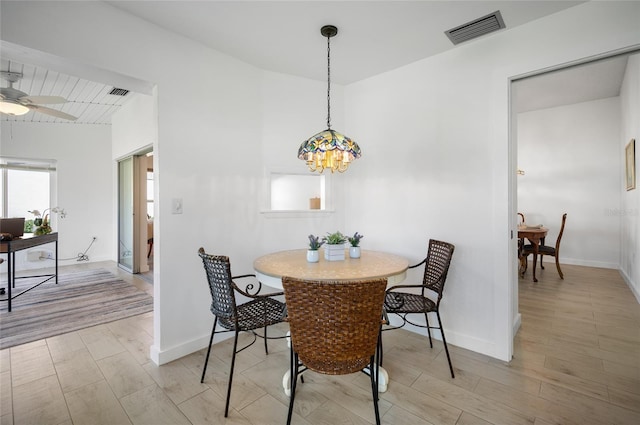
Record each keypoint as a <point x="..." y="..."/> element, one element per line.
<point x="42" y="99"/>
<point x="52" y="112"/>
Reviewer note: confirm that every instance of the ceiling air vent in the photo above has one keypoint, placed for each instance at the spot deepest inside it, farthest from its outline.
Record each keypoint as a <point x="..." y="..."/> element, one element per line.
<point x="118" y="92"/>
<point x="476" y="28"/>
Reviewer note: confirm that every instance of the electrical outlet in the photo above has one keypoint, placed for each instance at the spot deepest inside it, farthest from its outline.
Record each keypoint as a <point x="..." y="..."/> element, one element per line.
<point x="176" y="206"/>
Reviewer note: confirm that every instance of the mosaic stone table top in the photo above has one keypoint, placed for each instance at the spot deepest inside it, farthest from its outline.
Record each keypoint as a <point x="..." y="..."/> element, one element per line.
<point x="372" y="264"/>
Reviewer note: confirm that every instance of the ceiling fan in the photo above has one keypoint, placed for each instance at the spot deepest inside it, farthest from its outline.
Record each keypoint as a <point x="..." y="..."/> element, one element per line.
<point x="15" y="102"/>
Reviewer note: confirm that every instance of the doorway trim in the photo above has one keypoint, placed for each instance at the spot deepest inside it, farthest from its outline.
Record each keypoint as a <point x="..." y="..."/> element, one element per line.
<point x="512" y="150"/>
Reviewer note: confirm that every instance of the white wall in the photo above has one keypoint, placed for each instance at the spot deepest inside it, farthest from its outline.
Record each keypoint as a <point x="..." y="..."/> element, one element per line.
<point x="84" y="181"/>
<point x="214" y="148"/>
<point x="571" y="158"/>
<point x="630" y="206"/>
<point x="134" y="126"/>
<point x="435" y="153"/>
<point x="435" y="140"/>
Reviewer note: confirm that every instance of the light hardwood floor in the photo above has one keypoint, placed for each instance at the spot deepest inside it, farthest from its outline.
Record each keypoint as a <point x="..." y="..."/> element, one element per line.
<point x="576" y="361"/>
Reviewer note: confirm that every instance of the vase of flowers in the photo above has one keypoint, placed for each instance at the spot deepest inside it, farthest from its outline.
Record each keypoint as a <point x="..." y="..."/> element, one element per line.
<point x="334" y="248"/>
<point x="312" y="253"/>
<point x="41" y="225"/>
<point x="41" y="222"/>
<point x="354" y="241"/>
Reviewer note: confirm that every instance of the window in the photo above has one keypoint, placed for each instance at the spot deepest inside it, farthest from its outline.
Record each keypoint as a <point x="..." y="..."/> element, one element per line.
<point x="297" y="192"/>
<point x="25" y="185"/>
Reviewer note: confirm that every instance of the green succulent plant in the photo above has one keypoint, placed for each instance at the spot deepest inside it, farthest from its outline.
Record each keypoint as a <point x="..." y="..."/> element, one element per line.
<point x="335" y="238"/>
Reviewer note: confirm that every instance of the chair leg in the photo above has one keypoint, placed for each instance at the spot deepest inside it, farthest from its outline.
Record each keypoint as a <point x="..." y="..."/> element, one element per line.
<point x="206" y="360"/>
<point x="426" y="318"/>
<point x="233" y="362"/>
<point x="558" y="267"/>
<point x="373" y="369"/>
<point x="294" y="380"/>
<point x="444" y="341"/>
<point x="541" y="265"/>
<point x="523" y="266"/>
<point x="266" y="349"/>
<point x="380" y="350"/>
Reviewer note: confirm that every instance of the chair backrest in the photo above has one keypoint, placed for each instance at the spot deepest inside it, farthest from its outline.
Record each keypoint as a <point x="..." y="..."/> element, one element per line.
<point x="437" y="266"/>
<point x="564" y="219"/>
<point x="334" y="324"/>
<point x="223" y="302"/>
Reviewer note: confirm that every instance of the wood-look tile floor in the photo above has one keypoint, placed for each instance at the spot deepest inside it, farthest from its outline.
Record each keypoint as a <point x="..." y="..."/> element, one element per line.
<point x="576" y="361"/>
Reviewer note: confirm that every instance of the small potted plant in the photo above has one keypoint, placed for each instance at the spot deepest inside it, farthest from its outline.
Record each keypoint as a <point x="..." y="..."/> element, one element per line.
<point x="334" y="250"/>
<point x="314" y="244"/>
<point x="354" y="249"/>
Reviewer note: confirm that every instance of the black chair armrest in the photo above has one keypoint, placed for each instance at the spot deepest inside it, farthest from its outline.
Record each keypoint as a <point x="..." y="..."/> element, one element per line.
<point x="250" y="291"/>
<point x="403" y="286"/>
<point x="419" y="264"/>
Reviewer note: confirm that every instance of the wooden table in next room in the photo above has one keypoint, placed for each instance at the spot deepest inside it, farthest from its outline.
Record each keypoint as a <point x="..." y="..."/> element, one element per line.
<point x="535" y="234"/>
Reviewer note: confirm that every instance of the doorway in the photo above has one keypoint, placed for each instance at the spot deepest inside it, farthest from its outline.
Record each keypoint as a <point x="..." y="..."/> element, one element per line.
<point x="557" y="176"/>
<point x="135" y="214"/>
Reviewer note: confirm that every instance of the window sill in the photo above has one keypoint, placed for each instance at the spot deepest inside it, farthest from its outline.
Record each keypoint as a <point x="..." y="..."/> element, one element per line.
<point x="294" y="213"/>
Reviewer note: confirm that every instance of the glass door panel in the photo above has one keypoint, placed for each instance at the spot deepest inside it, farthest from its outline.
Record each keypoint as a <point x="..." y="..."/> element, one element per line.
<point x="126" y="247"/>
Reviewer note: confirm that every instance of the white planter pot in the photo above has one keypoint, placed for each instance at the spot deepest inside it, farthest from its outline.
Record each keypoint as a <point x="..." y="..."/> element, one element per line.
<point x="354" y="251"/>
<point x="334" y="252"/>
<point x="313" y="256"/>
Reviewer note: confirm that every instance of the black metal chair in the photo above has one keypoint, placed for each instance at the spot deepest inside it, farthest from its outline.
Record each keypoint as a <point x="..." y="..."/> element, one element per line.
<point x="427" y="299"/>
<point x="553" y="251"/>
<point x="261" y="311"/>
<point x="335" y="329"/>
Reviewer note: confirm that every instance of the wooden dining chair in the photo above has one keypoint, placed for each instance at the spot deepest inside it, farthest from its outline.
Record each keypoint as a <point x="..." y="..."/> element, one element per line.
<point x="543" y="249"/>
<point x="335" y="329"/>
<point x="521" y="258"/>
<point x="426" y="296"/>
<point x="260" y="311"/>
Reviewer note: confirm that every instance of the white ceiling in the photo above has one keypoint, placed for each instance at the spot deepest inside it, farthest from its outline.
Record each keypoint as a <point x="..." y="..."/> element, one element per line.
<point x="284" y="36"/>
<point x="373" y="36"/>
<point x="595" y="80"/>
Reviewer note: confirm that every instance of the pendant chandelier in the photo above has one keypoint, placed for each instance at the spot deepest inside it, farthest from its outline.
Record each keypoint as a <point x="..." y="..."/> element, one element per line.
<point x="329" y="149"/>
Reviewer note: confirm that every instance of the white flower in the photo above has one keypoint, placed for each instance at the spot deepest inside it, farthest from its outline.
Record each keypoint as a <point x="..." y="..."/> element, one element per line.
<point x="59" y="211"/>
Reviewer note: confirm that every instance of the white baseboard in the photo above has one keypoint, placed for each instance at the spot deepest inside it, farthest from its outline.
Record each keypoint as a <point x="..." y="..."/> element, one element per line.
<point x="627" y="279"/>
<point x="467" y="342"/>
<point x="160" y="357"/>
<point x="517" y="323"/>
<point x="579" y="262"/>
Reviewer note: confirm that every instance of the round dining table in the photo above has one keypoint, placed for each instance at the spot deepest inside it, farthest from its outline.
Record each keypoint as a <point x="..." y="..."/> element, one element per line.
<point x="270" y="268"/>
<point x="371" y="265"/>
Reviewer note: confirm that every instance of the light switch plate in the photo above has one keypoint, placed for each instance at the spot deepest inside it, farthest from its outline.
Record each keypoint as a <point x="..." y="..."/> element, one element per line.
<point x="176" y="206"/>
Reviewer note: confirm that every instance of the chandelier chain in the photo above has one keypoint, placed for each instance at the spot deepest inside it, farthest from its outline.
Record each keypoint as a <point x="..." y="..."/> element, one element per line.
<point x="328" y="82"/>
<point x="329" y="149"/>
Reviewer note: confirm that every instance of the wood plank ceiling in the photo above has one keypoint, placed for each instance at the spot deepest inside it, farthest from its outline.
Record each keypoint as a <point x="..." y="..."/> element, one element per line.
<point x="89" y="101"/>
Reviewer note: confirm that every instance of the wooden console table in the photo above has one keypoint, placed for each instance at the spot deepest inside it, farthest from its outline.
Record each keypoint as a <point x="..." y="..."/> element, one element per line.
<point x="11" y="247"/>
